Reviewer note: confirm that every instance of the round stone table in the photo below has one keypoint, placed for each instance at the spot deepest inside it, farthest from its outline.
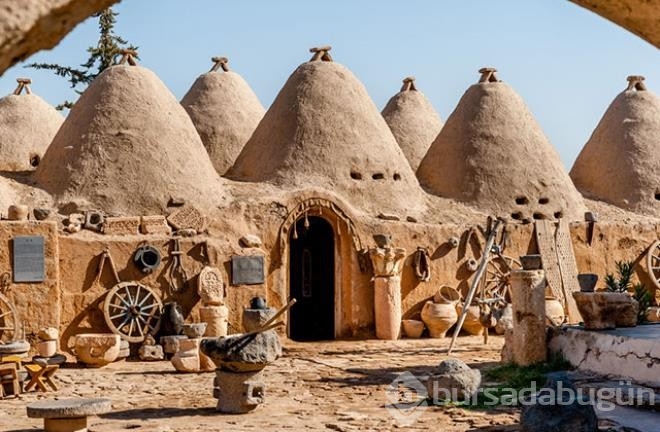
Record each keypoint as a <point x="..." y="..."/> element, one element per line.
<point x="67" y="415"/>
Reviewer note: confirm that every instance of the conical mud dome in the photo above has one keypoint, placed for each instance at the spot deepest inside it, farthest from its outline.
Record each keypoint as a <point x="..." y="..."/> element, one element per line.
<point x="413" y="121"/>
<point x="27" y="126"/>
<point x="126" y="147"/>
<point x="225" y="112"/>
<point x="324" y="131"/>
<point x="620" y="164"/>
<point x="492" y="154"/>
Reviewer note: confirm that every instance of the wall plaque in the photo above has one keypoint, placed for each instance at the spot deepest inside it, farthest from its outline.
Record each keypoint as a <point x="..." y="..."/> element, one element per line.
<point x="247" y="270"/>
<point x="29" y="259"/>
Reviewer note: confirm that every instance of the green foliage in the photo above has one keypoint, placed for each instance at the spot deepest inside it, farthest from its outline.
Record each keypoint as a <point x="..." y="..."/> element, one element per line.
<point x="625" y="271"/>
<point x="101" y="57"/>
<point x="644" y="298"/>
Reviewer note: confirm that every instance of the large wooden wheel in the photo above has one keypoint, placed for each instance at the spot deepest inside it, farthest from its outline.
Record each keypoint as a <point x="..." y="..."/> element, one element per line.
<point x="8" y="321"/>
<point x="653" y="263"/>
<point x="132" y="311"/>
<point x="496" y="281"/>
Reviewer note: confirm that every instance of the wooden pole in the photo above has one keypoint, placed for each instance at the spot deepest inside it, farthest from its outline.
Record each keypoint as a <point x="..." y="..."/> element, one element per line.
<point x="475" y="281"/>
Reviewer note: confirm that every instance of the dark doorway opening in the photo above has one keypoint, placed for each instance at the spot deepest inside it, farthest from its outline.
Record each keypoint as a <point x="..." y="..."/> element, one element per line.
<point x="312" y="280"/>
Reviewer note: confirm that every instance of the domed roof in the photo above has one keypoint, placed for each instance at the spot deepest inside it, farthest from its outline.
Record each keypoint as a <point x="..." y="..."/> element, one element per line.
<point x="225" y="112"/>
<point x="324" y="131"/>
<point x="127" y="147"/>
<point x="413" y="121"/>
<point x="27" y="126"/>
<point x="492" y="154"/>
<point x="620" y="164"/>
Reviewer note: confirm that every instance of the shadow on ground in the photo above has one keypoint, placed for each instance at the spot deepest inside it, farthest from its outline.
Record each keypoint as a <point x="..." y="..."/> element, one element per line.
<point x="159" y="413"/>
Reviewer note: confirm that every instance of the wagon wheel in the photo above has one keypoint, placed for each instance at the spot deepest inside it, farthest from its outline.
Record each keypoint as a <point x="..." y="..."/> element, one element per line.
<point x="132" y="311"/>
<point x="653" y="263"/>
<point x="496" y="280"/>
<point x="8" y="321"/>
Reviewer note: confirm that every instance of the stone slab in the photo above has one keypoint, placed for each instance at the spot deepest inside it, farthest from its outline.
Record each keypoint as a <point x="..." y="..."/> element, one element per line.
<point x="29" y="263"/>
<point x="69" y="408"/>
<point x="247" y="270"/>
<point x="188" y="217"/>
<point x="156" y="224"/>
<point x="624" y="353"/>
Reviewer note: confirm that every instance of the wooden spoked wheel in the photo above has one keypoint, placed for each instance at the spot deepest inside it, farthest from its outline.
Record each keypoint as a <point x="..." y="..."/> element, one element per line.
<point x="653" y="263"/>
<point x="496" y="281"/>
<point x="8" y="321"/>
<point x="132" y="311"/>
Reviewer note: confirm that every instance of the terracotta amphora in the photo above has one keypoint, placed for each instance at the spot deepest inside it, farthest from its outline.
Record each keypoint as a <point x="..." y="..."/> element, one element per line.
<point x="440" y="314"/>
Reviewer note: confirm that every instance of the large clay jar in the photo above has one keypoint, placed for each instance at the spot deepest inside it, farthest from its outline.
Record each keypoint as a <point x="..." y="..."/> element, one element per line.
<point x="471" y="325"/>
<point x="440" y="314"/>
<point x="97" y="349"/>
<point x="554" y="312"/>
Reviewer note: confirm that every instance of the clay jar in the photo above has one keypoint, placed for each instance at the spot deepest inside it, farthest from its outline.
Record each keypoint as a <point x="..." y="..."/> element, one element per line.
<point x="554" y="312"/>
<point x="439" y="314"/>
<point x="471" y="325"/>
<point x="412" y="328"/>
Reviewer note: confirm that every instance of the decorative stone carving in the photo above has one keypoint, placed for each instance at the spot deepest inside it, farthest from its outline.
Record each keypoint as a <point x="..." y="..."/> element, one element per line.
<point x="129" y="225"/>
<point x="97" y="349"/>
<point x="211" y="287"/>
<point x="156" y="224"/>
<point x="606" y="310"/>
<point x="387" y="261"/>
<point x="188" y="217"/>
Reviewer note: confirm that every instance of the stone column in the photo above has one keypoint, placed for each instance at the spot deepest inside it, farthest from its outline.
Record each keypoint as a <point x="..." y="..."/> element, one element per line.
<point x="214" y="313"/>
<point x="387" y="306"/>
<point x="528" y="338"/>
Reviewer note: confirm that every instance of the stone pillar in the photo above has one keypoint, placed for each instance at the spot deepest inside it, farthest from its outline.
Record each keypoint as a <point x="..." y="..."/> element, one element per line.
<point x="238" y="392"/>
<point x="216" y="319"/>
<point x="387" y="306"/>
<point x="214" y="313"/>
<point x="387" y="261"/>
<point x="528" y="338"/>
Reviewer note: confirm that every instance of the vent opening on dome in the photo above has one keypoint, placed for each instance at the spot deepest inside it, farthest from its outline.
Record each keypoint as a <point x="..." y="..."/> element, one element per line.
<point x="397" y="176"/>
<point x="522" y="200"/>
<point x="544" y="200"/>
<point x="657" y="194"/>
<point x="220" y="63"/>
<point x="378" y="176"/>
<point x="356" y="175"/>
<point x="488" y="75"/>
<point x="409" y="84"/>
<point x="23" y="84"/>
<point x="539" y="216"/>
<point x="34" y="160"/>
<point x="636" y="82"/>
<point x="558" y="215"/>
<point x="321" y="53"/>
<point x="517" y="215"/>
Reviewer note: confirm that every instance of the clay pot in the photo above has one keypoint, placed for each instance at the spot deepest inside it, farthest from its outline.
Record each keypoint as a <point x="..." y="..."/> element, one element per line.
<point x="47" y="348"/>
<point x="413" y="328"/>
<point x="587" y="281"/>
<point x="653" y="314"/>
<point x="440" y="314"/>
<point x="554" y="312"/>
<point x="471" y="325"/>
<point x="97" y="349"/>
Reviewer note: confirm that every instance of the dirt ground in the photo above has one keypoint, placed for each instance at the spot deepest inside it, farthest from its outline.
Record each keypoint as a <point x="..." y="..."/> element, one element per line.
<point x="340" y="386"/>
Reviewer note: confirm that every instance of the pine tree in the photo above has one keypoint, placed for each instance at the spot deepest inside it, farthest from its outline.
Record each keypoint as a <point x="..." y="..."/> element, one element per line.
<point x="101" y="57"/>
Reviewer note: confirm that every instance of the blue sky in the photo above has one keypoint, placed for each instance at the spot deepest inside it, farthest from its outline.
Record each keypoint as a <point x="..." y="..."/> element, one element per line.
<point x="567" y="63"/>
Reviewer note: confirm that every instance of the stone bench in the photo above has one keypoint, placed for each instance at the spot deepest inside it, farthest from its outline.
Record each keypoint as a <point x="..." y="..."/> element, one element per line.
<point x="67" y="415"/>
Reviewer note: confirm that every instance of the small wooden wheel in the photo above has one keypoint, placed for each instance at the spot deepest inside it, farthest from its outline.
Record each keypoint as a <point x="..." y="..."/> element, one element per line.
<point x="8" y="321"/>
<point x="496" y="280"/>
<point x="653" y="263"/>
<point x="132" y="311"/>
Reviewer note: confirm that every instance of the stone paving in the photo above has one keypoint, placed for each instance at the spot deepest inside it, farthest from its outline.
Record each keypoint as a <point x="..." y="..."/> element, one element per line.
<point x="338" y="386"/>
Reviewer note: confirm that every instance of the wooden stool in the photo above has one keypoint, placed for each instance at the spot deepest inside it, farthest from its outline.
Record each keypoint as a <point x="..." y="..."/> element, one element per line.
<point x="9" y="369"/>
<point x="38" y="373"/>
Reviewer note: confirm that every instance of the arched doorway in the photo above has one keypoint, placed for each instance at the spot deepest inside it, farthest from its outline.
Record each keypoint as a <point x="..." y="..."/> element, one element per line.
<point x="312" y="279"/>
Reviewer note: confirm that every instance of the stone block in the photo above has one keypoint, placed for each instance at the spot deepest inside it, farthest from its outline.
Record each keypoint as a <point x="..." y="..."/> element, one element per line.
<point x="151" y="353"/>
<point x="128" y="225"/>
<point x="156" y="225"/>
<point x="454" y="380"/>
<point x="97" y="349"/>
<point x="210" y="286"/>
<point x="238" y="393"/>
<point x="239" y="353"/>
<point x="188" y="217"/>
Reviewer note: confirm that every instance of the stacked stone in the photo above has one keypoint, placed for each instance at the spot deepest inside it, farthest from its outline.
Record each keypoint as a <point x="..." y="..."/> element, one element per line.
<point x="188" y="357"/>
<point x="47" y="347"/>
<point x="214" y="313"/>
<point x="241" y="359"/>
